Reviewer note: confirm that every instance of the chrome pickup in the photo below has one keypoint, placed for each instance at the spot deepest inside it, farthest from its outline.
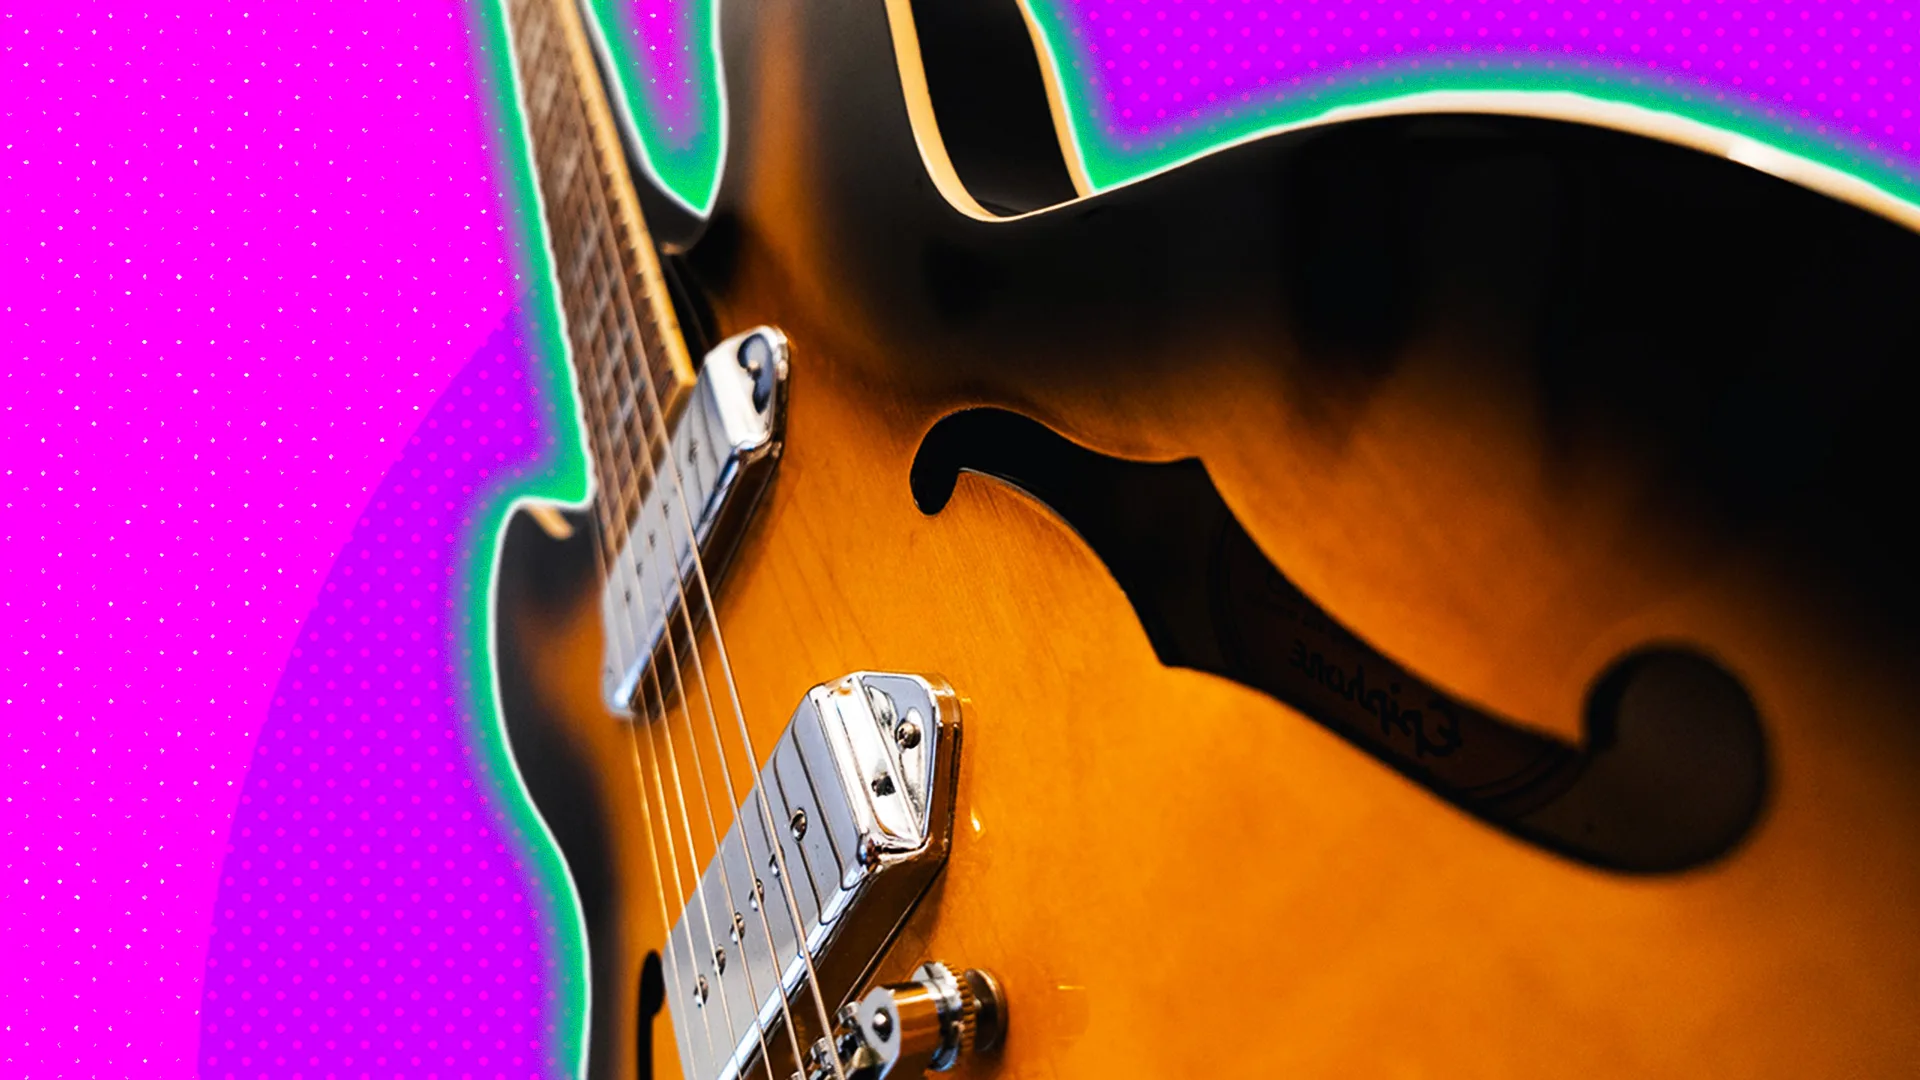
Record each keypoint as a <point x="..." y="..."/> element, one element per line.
<point x="859" y="796"/>
<point x="721" y="453"/>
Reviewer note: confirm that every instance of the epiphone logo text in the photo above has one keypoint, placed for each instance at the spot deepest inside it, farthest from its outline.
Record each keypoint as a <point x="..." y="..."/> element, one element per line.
<point x="1384" y="704"/>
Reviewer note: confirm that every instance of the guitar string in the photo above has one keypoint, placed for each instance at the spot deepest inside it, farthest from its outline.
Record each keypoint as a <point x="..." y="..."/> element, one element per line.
<point x="600" y="537"/>
<point x="601" y="383"/>
<point x="621" y="449"/>
<point x="673" y="859"/>
<point x="646" y="456"/>
<point x="620" y="571"/>
<point x="603" y="554"/>
<point x="599" y="228"/>
<point x="784" y="873"/>
<point x="659" y="882"/>
<point x="600" y="442"/>
<point x="623" y="576"/>
<point x="671" y="571"/>
<point x="719" y="990"/>
<point x="737" y="923"/>
<point x="686" y="613"/>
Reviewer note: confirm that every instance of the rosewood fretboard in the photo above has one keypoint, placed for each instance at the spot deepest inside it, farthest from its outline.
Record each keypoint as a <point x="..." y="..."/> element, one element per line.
<point x="620" y="319"/>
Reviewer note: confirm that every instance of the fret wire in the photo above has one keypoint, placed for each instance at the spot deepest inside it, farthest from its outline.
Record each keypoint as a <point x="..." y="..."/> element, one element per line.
<point x="622" y="381"/>
<point x="571" y="202"/>
<point x="630" y="482"/>
<point x="581" y="214"/>
<point x="633" y="349"/>
<point x="611" y="395"/>
<point x="620" y="435"/>
<point x="579" y="206"/>
<point x="603" y="296"/>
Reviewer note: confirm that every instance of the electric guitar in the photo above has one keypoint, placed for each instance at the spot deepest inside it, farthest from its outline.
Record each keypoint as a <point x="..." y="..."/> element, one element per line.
<point x="1418" y="596"/>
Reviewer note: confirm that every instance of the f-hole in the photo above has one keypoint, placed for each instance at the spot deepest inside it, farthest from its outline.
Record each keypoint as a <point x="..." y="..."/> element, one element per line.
<point x="653" y="994"/>
<point x="1671" y="773"/>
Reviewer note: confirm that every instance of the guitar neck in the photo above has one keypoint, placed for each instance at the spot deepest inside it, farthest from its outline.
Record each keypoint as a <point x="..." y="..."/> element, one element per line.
<point x="621" y="325"/>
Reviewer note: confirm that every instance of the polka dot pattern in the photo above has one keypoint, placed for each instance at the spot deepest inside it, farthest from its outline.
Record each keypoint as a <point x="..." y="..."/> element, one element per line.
<point x="1156" y="73"/>
<point x="374" y="915"/>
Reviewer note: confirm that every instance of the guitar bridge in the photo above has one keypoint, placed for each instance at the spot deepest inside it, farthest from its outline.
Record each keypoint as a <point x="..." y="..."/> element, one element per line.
<point x="721" y="453"/>
<point x="859" y="789"/>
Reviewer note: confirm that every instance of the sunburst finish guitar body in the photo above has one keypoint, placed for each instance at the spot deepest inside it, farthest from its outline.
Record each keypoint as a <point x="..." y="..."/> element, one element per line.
<point x="1422" y="597"/>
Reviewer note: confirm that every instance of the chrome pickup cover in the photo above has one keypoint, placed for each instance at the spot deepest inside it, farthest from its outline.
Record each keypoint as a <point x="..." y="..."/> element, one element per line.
<point x="721" y="453"/>
<point x="859" y="790"/>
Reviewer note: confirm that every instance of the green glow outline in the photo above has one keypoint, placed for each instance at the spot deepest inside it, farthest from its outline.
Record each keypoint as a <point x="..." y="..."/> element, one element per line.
<point x="566" y="480"/>
<point x="690" y="177"/>
<point x="1381" y="82"/>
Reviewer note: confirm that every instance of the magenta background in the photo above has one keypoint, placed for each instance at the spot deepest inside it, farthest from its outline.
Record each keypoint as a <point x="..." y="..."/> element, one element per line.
<point x="257" y="275"/>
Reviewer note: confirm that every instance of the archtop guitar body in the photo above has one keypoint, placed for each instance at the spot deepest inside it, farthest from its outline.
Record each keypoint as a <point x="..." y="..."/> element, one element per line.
<point x="1292" y="528"/>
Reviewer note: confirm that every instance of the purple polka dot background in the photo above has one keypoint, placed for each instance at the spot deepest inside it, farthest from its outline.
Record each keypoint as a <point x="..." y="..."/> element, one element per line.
<point x="269" y="376"/>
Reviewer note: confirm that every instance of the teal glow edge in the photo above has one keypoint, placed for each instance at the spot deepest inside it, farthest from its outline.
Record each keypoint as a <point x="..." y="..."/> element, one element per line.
<point x="1107" y="164"/>
<point x="691" y="174"/>
<point x="562" y="476"/>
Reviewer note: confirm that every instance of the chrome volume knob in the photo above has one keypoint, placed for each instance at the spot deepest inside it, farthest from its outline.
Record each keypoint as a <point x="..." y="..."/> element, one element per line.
<point x="934" y="1020"/>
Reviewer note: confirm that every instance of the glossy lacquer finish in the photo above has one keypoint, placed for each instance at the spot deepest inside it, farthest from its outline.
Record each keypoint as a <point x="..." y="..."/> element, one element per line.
<point x="1508" y="399"/>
